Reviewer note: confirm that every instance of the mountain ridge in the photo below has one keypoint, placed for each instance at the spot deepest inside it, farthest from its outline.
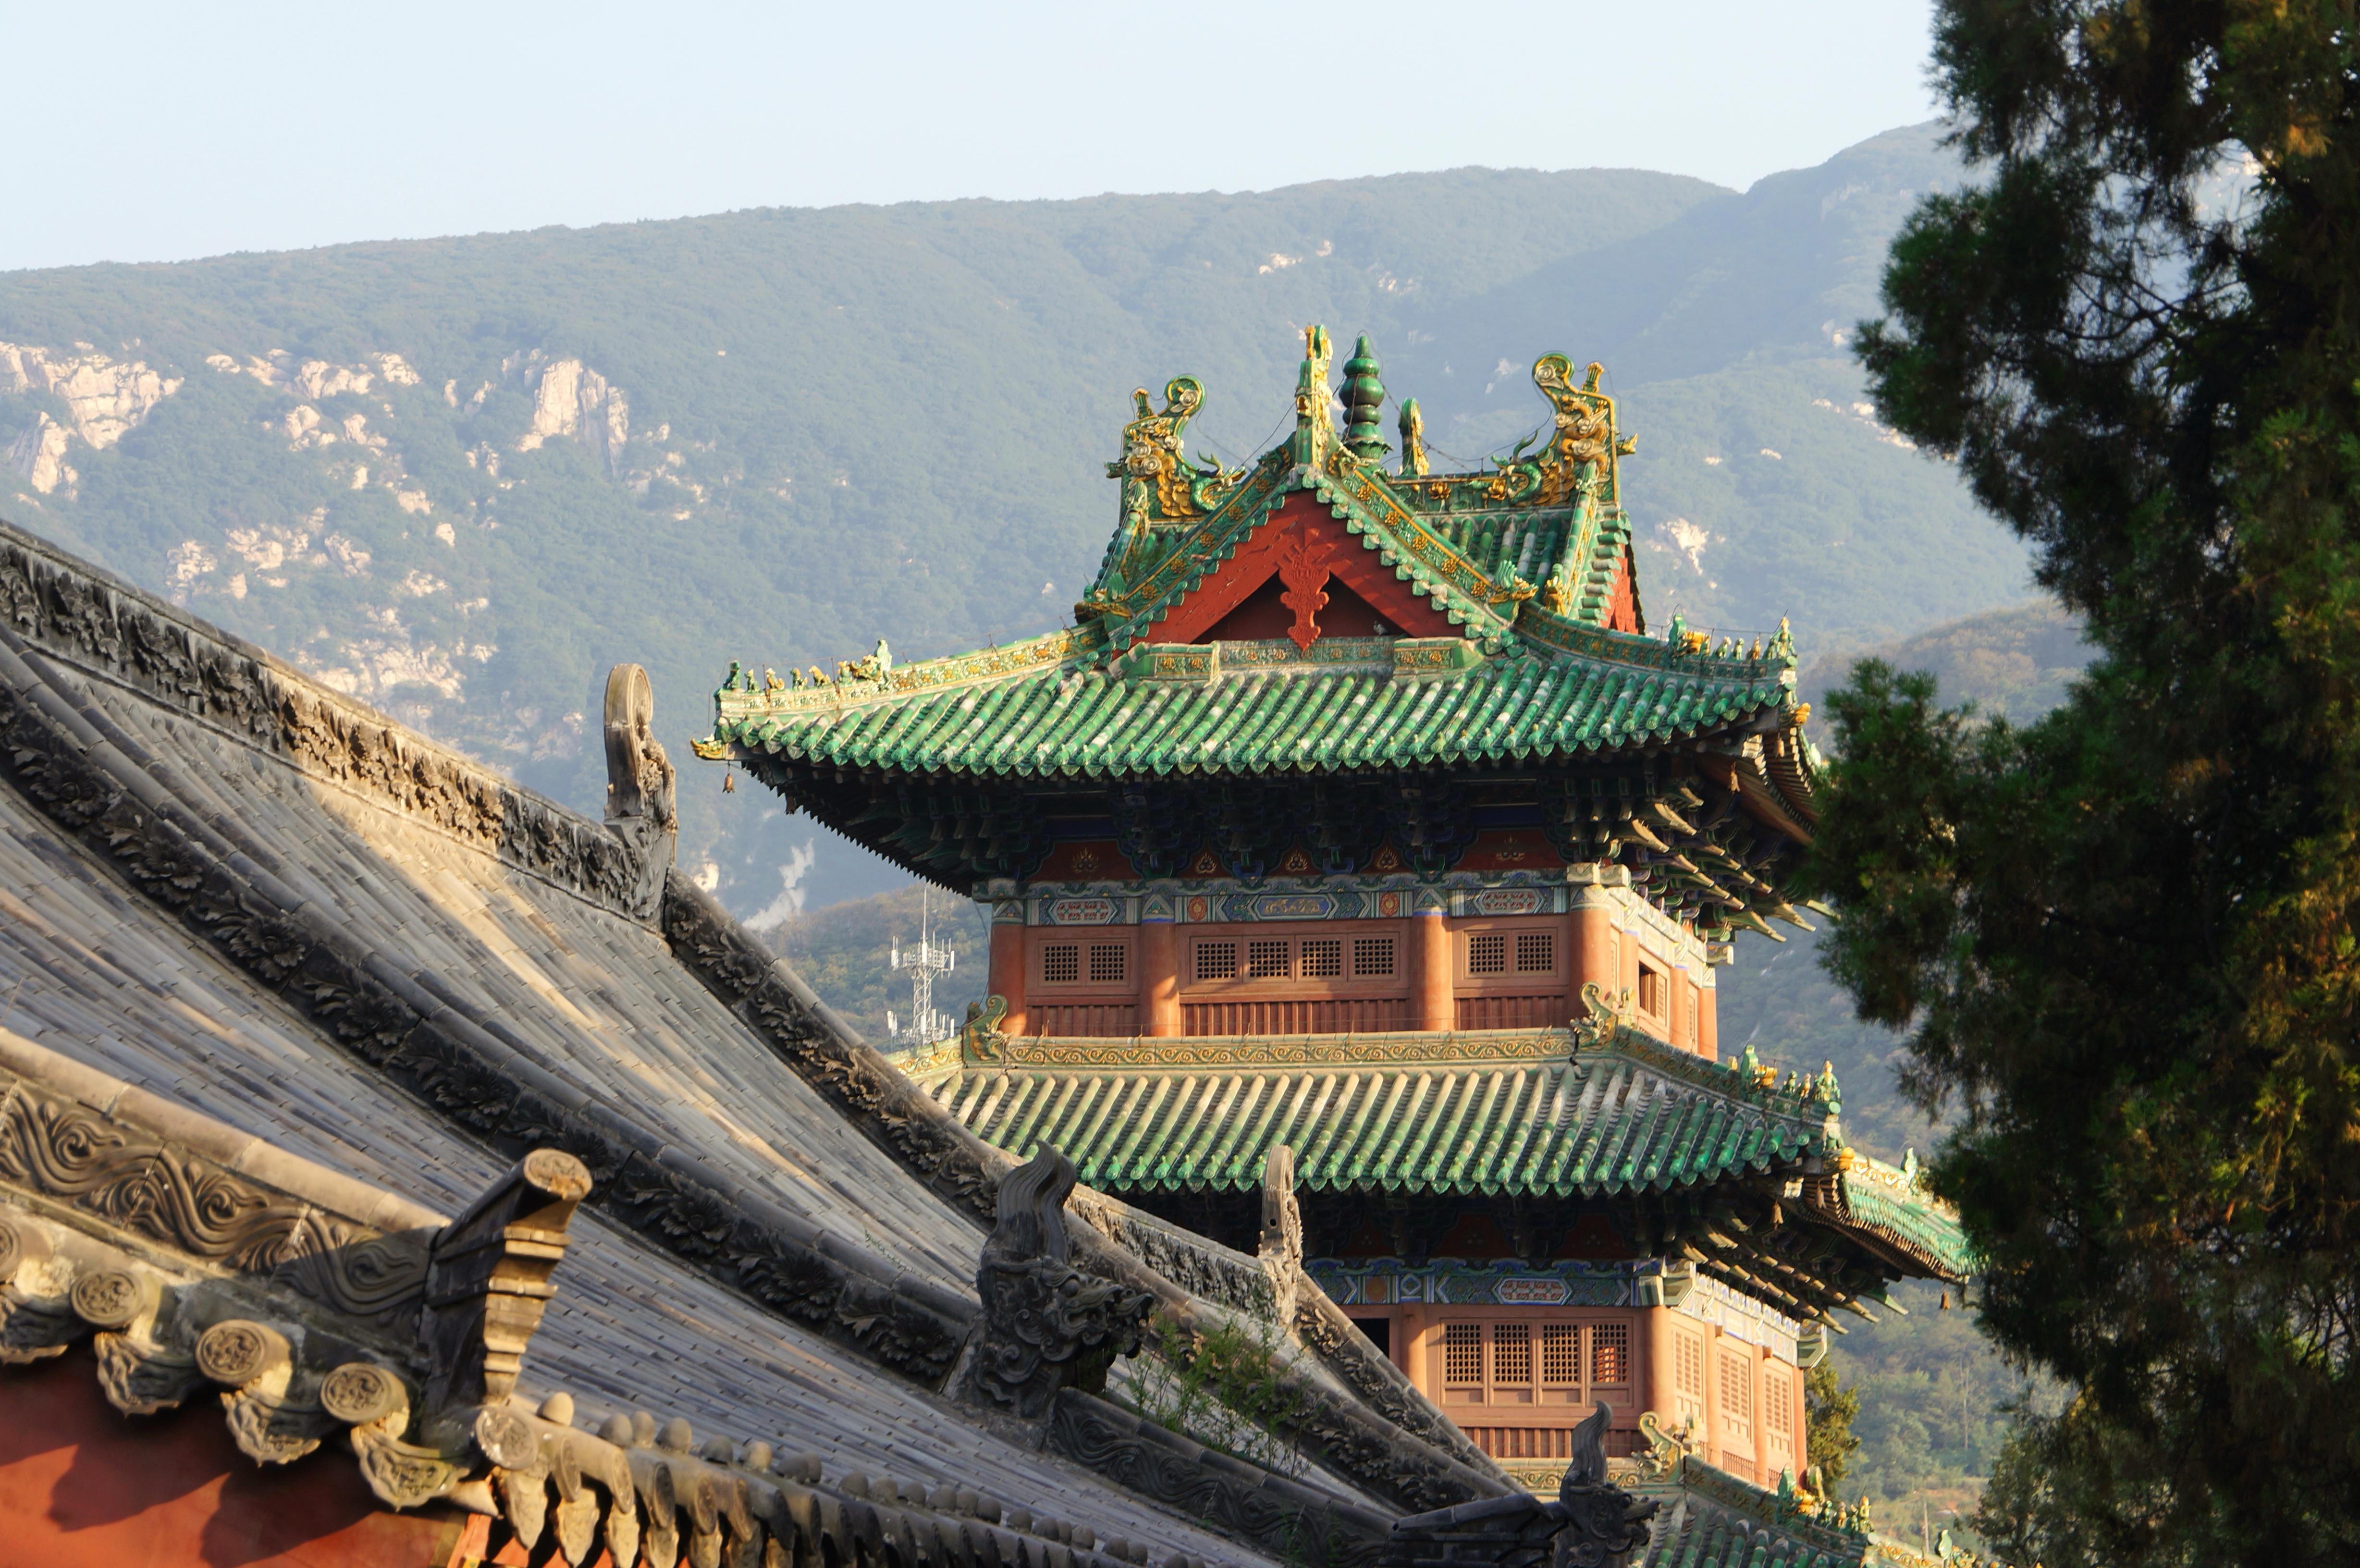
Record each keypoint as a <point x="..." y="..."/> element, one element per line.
<point x="777" y="435"/>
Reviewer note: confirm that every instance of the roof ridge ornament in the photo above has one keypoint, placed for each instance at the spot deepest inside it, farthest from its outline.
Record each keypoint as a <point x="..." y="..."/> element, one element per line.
<point x="1364" y="402"/>
<point x="1412" y="440"/>
<point x="1314" y="442"/>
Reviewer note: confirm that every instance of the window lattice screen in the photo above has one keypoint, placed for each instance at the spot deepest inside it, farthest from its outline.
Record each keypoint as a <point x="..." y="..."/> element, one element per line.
<point x="1511" y="1353"/>
<point x="1266" y="961"/>
<point x="1561" y="1355"/>
<point x="1610" y="1353"/>
<point x="1061" y="964"/>
<point x="1462" y="1355"/>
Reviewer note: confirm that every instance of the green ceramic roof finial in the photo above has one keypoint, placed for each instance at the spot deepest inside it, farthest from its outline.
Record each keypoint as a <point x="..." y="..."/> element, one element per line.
<point x="1365" y="404"/>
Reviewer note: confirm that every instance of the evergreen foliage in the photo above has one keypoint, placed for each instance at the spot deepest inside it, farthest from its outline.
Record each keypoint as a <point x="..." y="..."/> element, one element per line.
<point x="1829" y="1408"/>
<point x="2123" y="936"/>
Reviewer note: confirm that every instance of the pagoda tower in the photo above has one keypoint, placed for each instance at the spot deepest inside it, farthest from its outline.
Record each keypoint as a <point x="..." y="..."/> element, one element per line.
<point x="1359" y="813"/>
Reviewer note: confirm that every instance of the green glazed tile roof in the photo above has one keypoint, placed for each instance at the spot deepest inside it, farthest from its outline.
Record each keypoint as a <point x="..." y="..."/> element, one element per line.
<point x="1609" y="1120"/>
<point x="1876" y="1197"/>
<point x="1712" y="1519"/>
<point x="1071" y="719"/>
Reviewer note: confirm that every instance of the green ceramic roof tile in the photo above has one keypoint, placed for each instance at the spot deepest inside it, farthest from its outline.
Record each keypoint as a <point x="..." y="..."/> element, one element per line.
<point x="1887" y="1203"/>
<point x="1072" y="718"/>
<point x="1505" y="1113"/>
<point x="1607" y="1120"/>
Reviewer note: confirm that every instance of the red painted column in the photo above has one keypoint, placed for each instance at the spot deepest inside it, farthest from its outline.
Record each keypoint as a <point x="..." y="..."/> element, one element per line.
<point x="1709" y="1024"/>
<point x="1429" y="972"/>
<point x="1656" y="1392"/>
<point x="1597" y="957"/>
<point x="1008" y="966"/>
<point x="1159" y="978"/>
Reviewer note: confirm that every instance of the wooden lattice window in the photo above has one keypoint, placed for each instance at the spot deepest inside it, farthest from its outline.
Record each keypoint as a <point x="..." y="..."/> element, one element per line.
<point x="1535" y="952"/>
<point x="1061" y="963"/>
<point x="1523" y="1363"/>
<point x="1487" y="953"/>
<point x="1322" y="958"/>
<point x="1217" y="960"/>
<point x="1373" y="956"/>
<point x="1736" y="1397"/>
<point x="1512" y="1361"/>
<point x="1266" y="961"/>
<point x="1778" y="1404"/>
<point x="1610" y="1353"/>
<point x="1688" y="1378"/>
<point x="1109" y="961"/>
<point x="1561" y="1358"/>
<point x="1651" y="991"/>
<point x="1462" y="1356"/>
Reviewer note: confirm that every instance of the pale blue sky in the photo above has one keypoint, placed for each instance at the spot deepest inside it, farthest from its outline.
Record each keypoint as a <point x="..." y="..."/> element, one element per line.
<point x="152" y="132"/>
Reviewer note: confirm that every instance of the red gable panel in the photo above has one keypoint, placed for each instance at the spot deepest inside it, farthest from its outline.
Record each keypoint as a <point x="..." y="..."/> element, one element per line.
<point x="1305" y="550"/>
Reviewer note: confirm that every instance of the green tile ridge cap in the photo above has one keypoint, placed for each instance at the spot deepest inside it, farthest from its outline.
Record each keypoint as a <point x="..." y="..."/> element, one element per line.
<point x="742" y="697"/>
<point x="1796" y="1097"/>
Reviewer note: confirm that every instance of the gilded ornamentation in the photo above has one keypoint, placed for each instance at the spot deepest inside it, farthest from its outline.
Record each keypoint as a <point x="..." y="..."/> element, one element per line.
<point x="1603" y="1015"/>
<point x="1287" y="1050"/>
<point x="1159" y="484"/>
<point x="1313" y="445"/>
<point x="1667" y="1446"/>
<point x="1412" y="447"/>
<point x="979" y="1036"/>
<point x="1436" y="558"/>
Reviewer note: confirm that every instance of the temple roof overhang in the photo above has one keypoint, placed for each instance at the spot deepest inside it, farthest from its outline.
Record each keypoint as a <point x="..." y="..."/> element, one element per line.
<point x="1556" y="1114"/>
<point x="1498" y="626"/>
<point x="1058" y="707"/>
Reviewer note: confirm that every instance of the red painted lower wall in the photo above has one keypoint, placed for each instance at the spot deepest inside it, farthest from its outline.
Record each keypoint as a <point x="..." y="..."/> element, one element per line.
<point x="84" y="1486"/>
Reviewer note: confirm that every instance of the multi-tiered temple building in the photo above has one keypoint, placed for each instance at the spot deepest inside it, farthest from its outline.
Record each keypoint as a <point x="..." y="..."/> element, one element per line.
<point x="1360" y="813"/>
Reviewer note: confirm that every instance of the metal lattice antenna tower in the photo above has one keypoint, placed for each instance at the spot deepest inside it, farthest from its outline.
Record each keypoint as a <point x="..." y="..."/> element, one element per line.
<point x="922" y="963"/>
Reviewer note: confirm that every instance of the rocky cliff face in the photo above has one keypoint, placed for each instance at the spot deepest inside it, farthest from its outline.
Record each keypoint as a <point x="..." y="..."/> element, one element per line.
<point x="571" y="401"/>
<point x="105" y="398"/>
<point x="381" y="469"/>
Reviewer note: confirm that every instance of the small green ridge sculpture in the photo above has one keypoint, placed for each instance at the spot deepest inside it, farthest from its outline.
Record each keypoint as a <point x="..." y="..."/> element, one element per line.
<point x="1365" y="404"/>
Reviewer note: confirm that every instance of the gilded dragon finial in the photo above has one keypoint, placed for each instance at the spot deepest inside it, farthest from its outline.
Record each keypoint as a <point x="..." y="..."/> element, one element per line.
<point x="1315" y="405"/>
<point x="1412" y="440"/>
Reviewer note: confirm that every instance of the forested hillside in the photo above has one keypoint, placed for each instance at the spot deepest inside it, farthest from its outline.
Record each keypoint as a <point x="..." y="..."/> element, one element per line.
<point x="461" y="477"/>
